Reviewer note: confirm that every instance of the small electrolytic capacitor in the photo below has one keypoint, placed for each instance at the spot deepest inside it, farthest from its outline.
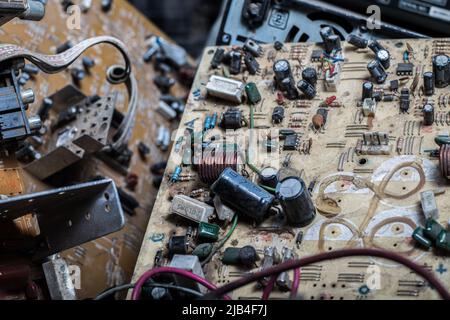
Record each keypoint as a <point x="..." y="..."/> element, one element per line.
<point x="296" y="201"/>
<point x="404" y="100"/>
<point x="428" y="83"/>
<point x="428" y="115"/>
<point x="235" y="62"/>
<point x="307" y="89"/>
<point x="310" y="75"/>
<point x="377" y="71"/>
<point x="375" y="46"/>
<point x="441" y="70"/>
<point x="268" y="177"/>
<point x="288" y="86"/>
<point x="367" y="90"/>
<point x="357" y="41"/>
<point x="332" y="43"/>
<point x="282" y="70"/>
<point x="384" y="57"/>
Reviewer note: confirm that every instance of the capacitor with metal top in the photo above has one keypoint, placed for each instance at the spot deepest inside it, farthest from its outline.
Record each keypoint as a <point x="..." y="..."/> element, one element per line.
<point x="307" y="89"/>
<point x="268" y="177"/>
<point x="332" y="42"/>
<point x="375" y="46"/>
<point x="296" y="201"/>
<point x="310" y="75"/>
<point x="377" y="71"/>
<point x="282" y="70"/>
<point x="385" y="58"/>
<point x="367" y="91"/>
<point x="242" y="195"/>
<point x="428" y="115"/>
<point x="357" y="41"/>
<point x="288" y="86"/>
<point x="428" y="83"/>
<point x="441" y="70"/>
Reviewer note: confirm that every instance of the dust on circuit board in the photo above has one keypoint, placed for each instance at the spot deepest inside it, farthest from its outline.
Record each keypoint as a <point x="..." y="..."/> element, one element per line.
<point x="110" y="260"/>
<point x="348" y="177"/>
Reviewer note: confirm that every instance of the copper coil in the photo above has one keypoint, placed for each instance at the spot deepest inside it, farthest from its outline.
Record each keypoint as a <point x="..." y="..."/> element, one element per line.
<point x="211" y="165"/>
<point x="444" y="160"/>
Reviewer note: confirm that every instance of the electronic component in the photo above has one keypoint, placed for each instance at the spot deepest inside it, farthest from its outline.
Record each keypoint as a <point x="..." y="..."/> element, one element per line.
<point x="377" y="71"/>
<point x="179" y="244"/>
<point x="441" y="70"/>
<point x="278" y="114"/>
<point x="254" y="48"/>
<point x="208" y="232"/>
<point x="375" y="143"/>
<point x="245" y="256"/>
<point x="291" y="142"/>
<point x="405" y="100"/>
<point x="254" y="12"/>
<point x="235" y="61"/>
<point x="384" y="58"/>
<point x="316" y="55"/>
<point x="307" y="89"/>
<point x="223" y="212"/>
<point x="283" y="280"/>
<point x="428" y="115"/>
<point x="224" y="88"/>
<point x="282" y="70"/>
<point x="367" y="90"/>
<point x="429" y="206"/>
<point x="270" y="259"/>
<point x="310" y="75"/>
<point x="420" y="237"/>
<point x="333" y="78"/>
<point x="268" y="177"/>
<point x="251" y="64"/>
<point x="357" y="41"/>
<point x="332" y="43"/>
<point x="375" y="46"/>
<point x="405" y="69"/>
<point x="189" y="263"/>
<point x="369" y="107"/>
<point x="242" y="195"/>
<point x="253" y="95"/>
<point x="218" y="57"/>
<point x="232" y="119"/>
<point x="296" y="201"/>
<point x="191" y="209"/>
<point x="325" y="32"/>
<point x="428" y="83"/>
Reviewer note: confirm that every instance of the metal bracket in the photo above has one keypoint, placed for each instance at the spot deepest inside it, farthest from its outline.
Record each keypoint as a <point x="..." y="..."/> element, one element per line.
<point x="68" y="216"/>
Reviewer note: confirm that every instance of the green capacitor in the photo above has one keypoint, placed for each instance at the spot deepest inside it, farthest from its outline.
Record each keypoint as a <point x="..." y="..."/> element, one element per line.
<point x="245" y="256"/>
<point x="252" y="92"/>
<point x="203" y="250"/>
<point x="419" y="236"/>
<point x="432" y="229"/>
<point x="443" y="240"/>
<point x="208" y="231"/>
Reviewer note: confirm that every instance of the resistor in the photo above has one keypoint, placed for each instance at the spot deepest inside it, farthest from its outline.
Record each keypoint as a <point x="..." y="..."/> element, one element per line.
<point x="400" y="142"/>
<point x="207" y="124"/>
<point x="213" y="120"/>
<point x="175" y="177"/>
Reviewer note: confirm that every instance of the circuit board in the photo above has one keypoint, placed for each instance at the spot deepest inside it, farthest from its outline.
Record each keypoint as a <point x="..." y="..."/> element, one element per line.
<point x="109" y="260"/>
<point x="363" y="197"/>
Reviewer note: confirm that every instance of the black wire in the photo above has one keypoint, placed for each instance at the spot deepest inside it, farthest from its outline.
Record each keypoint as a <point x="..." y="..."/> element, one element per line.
<point x="114" y="290"/>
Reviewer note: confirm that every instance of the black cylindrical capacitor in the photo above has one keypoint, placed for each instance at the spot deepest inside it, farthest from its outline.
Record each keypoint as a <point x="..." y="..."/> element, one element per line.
<point x="245" y="256"/>
<point x="385" y="58"/>
<point x="231" y="119"/>
<point x="178" y="245"/>
<point x="357" y="41"/>
<point x="332" y="42"/>
<point x="441" y="70"/>
<point x="404" y="100"/>
<point x="278" y="114"/>
<point x="235" y="62"/>
<point x="282" y="70"/>
<point x="288" y="86"/>
<point x="428" y="115"/>
<point x="268" y="177"/>
<point x="377" y="95"/>
<point x="367" y="91"/>
<point x="308" y="89"/>
<point x="242" y="195"/>
<point x="375" y="46"/>
<point x="310" y="75"/>
<point x="296" y="201"/>
<point x="428" y="83"/>
<point x="377" y="71"/>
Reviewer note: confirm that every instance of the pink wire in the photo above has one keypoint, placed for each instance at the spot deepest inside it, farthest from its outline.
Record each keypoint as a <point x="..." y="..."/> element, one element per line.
<point x="295" y="283"/>
<point x="151" y="273"/>
<point x="269" y="287"/>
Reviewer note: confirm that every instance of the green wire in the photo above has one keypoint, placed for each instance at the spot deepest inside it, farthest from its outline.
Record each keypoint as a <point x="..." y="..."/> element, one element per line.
<point x="252" y="125"/>
<point x="268" y="188"/>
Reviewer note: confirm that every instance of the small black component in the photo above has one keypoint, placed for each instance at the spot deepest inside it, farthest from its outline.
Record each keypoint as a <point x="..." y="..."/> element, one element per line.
<point x="388" y="97"/>
<point x="332" y="43"/>
<point x="405" y="69"/>
<point x="428" y="83"/>
<point x="246" y="256"/>
<point x="31" y="69"/>
<point x="149" y="54"/>
<point x="291" y="143"/>
<point x="288" y="86"/>
<point x="385" y="58"/>
<point x="27" y="153"/>
<point x="268" y="177"/>
<point x="251" y="63"/>
<point x="378" y="96"/>
<point x="243" y="195"/>
<point x="232" y="119"/>
<point x="278" y="114"/>
<point x="218" y="57"/>
<point x="65" y="117"/>
<point x="43" y="111"/>
<point x="88" y="63"/>
<point x="278" y="45"/>
<point x="428" y="115"/>
<point x="307" y="89"/>
<point x="357" y="41"/>
<point x="282" y="70"/>
<point x="64" y="47"/>
<point x="310" y="75"/>
<point x="77" y="75"/>
<point x="164" y="83"/>
<point x="404" y="100"/>
<point x="296" y="201"/>
<point x="394" y="85"/>
<point x="377" y="71"/>
<point x="286" y="132"/>
<point x="367" y="91"/>
<point x="375" y="46"/>
<point x="128" y="202"/>
<point x="178" y="245"/>
<point x="235" y="61"/>
<point x="316" y="55"/>
<point x="441" y="70"/>
<point x="254" y="12"/>
<point x="143" y="150"/>
<point x="23" y="79"/>
<point x="107" y="5"/>
<point x="324" y="113"/>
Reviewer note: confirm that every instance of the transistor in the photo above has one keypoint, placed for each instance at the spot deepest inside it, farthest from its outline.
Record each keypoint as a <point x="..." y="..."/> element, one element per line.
<point x="253" y="47"/>
<point x="251" y="64"/>
<point x="143" y="150"/>
<point x="278" y="114"/>
<point x="218" y="57"/>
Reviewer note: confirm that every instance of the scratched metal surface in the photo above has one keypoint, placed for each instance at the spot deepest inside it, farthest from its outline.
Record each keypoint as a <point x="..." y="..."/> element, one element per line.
<point x="390" y="225"/>
<point x="110" y="260"/>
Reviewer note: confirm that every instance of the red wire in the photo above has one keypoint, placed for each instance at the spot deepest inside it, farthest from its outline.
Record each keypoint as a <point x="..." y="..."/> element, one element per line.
<point x="293" y="264"/>
<point x="269" y="287"/>
<point x="295" y="283"/>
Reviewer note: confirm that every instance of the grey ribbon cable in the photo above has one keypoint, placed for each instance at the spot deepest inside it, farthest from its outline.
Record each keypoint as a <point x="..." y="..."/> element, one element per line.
<point x="59" y="62"/>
